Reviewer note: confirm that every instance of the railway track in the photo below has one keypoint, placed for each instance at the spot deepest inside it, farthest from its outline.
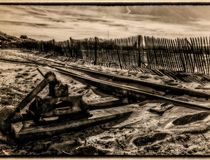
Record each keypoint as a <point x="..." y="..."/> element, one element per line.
<point x="125" y="87"/>
<point x="121" y="88"/>
<point x="134" y="82"/>
<point x="127" y="91"/>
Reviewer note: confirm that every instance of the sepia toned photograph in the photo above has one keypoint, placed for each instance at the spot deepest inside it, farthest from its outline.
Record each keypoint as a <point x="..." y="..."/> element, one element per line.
<point x="128" y="80"/>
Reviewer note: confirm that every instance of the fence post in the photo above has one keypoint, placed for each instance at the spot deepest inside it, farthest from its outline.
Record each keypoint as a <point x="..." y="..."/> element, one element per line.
<point x="118" y="55"/>
<point x="53" y="46"/>
<point x="95" y="50"/>
<point x="41" y="46"/>
<point x="181" y="55"/>
<point x="140" y="49"/>
<point x="71" y="46"/>
<point x="69" y="49"/>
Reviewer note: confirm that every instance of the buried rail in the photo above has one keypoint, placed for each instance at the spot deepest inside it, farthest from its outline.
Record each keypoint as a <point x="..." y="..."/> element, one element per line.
<point x="145" y="83"/>
<point x="127" y="90"/>
<point x="161" y="87"/>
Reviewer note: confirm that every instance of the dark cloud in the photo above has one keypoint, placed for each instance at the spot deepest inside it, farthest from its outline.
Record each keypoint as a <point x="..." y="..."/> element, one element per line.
<point x="24" y="23"/>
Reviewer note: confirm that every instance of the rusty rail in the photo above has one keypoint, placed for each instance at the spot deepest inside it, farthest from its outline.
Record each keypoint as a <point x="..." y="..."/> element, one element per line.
<point x="114" y="77"/>
<point x="125" y="90"/>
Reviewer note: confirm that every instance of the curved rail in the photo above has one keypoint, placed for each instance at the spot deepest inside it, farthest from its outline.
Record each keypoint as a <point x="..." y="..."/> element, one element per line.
<point x="120" y="89"/>
<point x="125" y="90"/>
<point x="156" y="86"/>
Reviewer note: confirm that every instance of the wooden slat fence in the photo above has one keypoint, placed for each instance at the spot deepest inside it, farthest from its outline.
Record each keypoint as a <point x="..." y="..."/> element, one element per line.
<point x="191" y="55"/>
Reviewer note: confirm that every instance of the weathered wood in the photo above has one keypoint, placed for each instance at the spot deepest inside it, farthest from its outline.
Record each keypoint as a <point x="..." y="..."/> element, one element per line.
<point x="153" y="48"/>
<point x="105" y="102"/>
<point x="148" y="54"/>
<point x="160" y="54"/>
<point x="199" y="55"/>
<point x="62" y="111"/>
<point x="188" y="48"/>
<point x="204" y="55"/>
<point x="205" y="40"/>
<point x="95" y="50"/>
<point x="167" y="54"/>
<point x="194" y="55"/>
<point x="176" y="55"/>
<point x="127" y="53"/>
<point x="181" y="54"/>
<point x="52" y="129"/>
<point x="177" y="59"/>
<point x="58" y="110"/>
<point x="202" y="46"/>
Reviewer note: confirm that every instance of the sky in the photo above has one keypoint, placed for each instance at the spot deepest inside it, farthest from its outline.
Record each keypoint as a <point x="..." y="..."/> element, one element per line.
<point x="78" y="22"/>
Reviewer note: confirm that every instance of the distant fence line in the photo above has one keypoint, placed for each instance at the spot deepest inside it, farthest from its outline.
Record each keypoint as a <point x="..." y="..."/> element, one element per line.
<point x="190" y="55"/>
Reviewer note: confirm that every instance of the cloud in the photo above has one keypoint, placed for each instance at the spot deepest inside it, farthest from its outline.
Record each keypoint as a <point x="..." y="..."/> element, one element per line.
<point x="61" y="22"/>
<point x="11" y="22"/>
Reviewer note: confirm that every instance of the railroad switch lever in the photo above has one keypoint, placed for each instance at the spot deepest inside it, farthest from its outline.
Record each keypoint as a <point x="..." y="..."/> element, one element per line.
<point x="7" y="113"/>
<point x="58" y="96"/>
